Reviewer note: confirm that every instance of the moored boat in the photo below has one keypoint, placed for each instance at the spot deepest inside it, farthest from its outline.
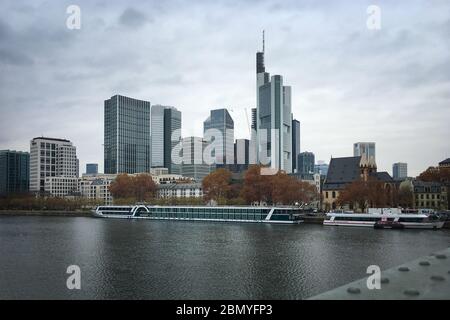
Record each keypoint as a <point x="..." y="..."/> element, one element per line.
<point x="384" y="218"/>
<point x="282" y="215"/>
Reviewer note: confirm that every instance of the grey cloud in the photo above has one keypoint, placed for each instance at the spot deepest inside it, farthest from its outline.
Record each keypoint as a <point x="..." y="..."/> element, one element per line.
<point x="133" y="18"/>
<point x="202" y="55"/>
<point x="15" y="58"/>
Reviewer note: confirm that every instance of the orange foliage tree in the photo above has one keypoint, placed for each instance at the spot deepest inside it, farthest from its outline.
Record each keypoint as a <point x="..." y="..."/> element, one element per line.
<point x="279" y="188"/>
<point x="433" y="174"/>
<point x="217" y="185"/>
<point x="133" y="188"/>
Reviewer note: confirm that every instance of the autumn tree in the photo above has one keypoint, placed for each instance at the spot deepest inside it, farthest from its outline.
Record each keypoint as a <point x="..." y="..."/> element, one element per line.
<point x="364" y="194"/>
<point x="217" y="185"/>
<point x="433" y="174"/>
<point x="279" y="188"/>
<point x="256" y="187"/>
<point x="126" y="188"/>
<point x="405" y="197"/>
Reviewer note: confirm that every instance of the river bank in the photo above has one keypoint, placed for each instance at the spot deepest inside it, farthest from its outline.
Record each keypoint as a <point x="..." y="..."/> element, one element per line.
<point x="50" y="213"/>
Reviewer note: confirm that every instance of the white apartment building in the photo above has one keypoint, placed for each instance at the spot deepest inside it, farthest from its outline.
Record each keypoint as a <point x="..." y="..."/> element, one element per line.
<point x="96" y="187"/>
<point x="61" y="186"/>
<point x="50" y="157"/>
<point x="169" y="178"/>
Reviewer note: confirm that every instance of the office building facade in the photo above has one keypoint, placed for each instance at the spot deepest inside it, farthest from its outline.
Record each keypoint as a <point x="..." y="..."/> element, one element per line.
<point x="399" y="170"/>
<point x="14" y="172"/>
<point x="127" y="146"/>
<point x="221" y="122"/>
<point x="172" y="137"/>
<point x="306" y="162"/>
<point x="51" y="157"/>
<point x="365" y="150"/>
<point x="91" y="168"/>
<point x="193" y="164"/>
<point x="295" y="143"/>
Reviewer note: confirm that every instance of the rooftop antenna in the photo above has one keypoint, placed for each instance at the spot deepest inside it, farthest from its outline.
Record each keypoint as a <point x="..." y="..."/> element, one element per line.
<point x="263" y="42"/>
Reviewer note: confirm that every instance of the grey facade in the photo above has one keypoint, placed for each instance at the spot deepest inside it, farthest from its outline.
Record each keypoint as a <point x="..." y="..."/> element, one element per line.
<point x="91" y="168"/>
<point x="157" y="135"/>
<point x="295" y="143"/>
<point x="14" y="172"/>
<point x="399" y="170"/>
<point x="305" y="161"/>
<point x="220" y="119"/>
<point x="193" y="165"/>
<point x="127" y="146"/>
<point x="321" y="168"/>
<point x="172" y="137"/>
<point x="274" y="119"/>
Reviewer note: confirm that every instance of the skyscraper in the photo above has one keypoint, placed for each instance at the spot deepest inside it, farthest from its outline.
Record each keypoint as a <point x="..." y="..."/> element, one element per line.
<point x="305" y="162"/>
<point x="172" y="136"/>
<point x="274" y="118"/>
<point x="220" y="119"/>
<point x="295" y="143"/>
<point x="364" y="148"/>
<point x="14" y="172"/>
<point x="51" y="157"/>
<point x="127" y="135"/>
<point x="400" y="170"/>
<point x="157" y="135"/>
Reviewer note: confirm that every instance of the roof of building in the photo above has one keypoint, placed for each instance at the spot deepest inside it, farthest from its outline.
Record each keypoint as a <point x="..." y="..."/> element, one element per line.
<point x="180" y="186"/>
<point x="53" y="139"/>
<point x="382" y="176"/>
<point x="446" y="161"/>
<point x="426" y="186"/>
<point x="342" y="171"/>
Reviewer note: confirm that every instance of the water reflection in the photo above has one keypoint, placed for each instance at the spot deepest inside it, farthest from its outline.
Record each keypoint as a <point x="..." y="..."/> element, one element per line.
<point x="194" y="260"/>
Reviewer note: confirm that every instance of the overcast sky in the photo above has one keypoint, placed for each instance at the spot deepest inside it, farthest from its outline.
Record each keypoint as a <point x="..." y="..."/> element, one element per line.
<point x="349" y="83"/>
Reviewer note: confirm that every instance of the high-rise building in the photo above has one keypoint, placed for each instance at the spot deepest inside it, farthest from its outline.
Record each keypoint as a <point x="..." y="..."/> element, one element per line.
<point x="193" y="165"/>
<point x="305" y="161"/>
<point x="242" y="152"/>
<point x="14" y="172"/>
<point x="50" y="157"/>
<point x="127" y="135"/>
<point x="91" y="168"/>
<point x="172" y="137"/>
<point x="274" y="118"/>
<point x="365" y="150"/>
<point x="400" y="170"/>
<point x="220" y="120"/>
<point x="295" y="143"/>
<point x="157" y="135"/>
<point x="165" y="121"/>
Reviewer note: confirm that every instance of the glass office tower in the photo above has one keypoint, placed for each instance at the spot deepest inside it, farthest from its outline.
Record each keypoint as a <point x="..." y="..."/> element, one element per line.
<point x="14" y="172"/>
<point x="127" y="135"/>
<point x="172" y="137"/>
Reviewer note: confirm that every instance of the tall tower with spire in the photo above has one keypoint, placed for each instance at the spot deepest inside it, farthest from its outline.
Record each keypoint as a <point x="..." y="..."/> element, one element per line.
<point x="273" y="118"/>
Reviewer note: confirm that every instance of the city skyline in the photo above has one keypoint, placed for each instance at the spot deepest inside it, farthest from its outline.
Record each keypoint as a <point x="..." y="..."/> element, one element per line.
<point x="58" y="78"/>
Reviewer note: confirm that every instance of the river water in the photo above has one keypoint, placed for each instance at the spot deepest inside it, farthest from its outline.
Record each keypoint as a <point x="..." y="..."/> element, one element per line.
<point x="128" y="259"/>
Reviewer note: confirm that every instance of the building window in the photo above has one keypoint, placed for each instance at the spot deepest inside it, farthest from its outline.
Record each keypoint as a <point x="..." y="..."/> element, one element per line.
<point x="333" y="194"/>
<point x="326" y="194"/>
